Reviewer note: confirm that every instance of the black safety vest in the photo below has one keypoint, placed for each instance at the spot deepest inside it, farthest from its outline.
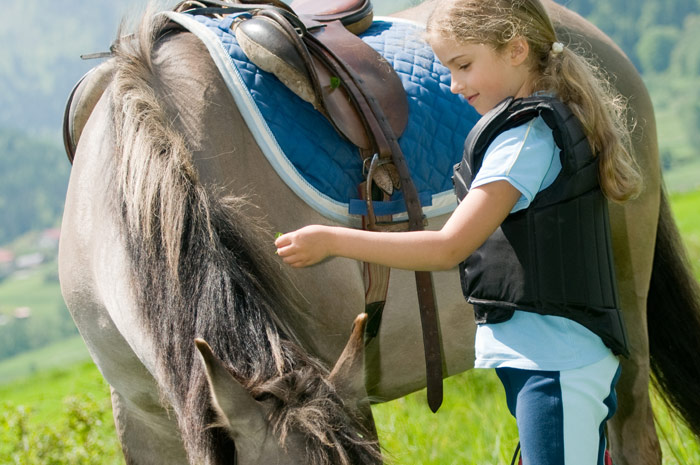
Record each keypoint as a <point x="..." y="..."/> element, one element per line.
<point x="554" y="257"/>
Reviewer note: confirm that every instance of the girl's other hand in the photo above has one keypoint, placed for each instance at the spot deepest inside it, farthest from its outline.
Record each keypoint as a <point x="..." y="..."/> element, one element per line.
<point x="305" y="246"/>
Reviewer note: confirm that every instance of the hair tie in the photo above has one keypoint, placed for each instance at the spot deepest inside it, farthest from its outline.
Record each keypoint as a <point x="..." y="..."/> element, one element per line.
<point x="557" y="48"/>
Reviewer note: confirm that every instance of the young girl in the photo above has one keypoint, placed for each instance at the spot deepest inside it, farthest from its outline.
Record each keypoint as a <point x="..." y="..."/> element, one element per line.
<point x="558" y="373"/>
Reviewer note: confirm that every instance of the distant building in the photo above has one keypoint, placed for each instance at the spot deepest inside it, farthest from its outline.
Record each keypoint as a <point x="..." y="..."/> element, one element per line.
<point x="6" y="256"/>
<point x="29" y="261"/>
<point x="7" y="262"/>
<point x="22" y="313"/>
<point x="49" y="238"/>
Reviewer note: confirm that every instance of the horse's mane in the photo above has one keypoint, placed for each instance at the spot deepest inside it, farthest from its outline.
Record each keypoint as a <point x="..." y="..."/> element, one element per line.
<point x="199" y="270"/>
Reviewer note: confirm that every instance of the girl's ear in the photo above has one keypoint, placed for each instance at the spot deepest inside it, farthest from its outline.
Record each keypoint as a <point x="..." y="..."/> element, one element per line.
<point x="519" y="50"/>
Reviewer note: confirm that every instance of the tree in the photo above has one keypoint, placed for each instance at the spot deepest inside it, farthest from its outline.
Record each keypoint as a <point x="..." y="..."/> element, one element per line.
<point x="655" y="47"/>
<point x="685" y="59"/>
<point x="691" y="117"/>
<point x="33" y="179"/>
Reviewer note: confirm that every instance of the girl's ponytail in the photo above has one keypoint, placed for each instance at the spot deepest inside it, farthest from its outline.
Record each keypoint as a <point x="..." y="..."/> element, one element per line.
<point x="603" y="112"/>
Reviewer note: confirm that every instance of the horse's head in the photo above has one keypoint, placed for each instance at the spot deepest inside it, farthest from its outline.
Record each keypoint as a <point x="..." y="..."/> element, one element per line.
<point x="294" y="418"/>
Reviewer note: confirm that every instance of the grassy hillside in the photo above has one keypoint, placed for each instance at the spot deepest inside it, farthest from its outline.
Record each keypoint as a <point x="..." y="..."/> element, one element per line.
<point x="675" y="106"/>
<point x="36" y="290"/>
<point x="65" y="353"/>
<point x="60" y="416"/>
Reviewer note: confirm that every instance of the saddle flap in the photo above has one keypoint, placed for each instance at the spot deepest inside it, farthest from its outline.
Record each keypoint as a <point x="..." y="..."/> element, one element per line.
<point x="272" y="50"/>
<point x="82" y="100"/>
<point x="376" y="74"/>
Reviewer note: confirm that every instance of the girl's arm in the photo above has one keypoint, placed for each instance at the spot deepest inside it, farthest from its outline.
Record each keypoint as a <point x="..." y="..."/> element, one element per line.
<point x="474" y="220"/>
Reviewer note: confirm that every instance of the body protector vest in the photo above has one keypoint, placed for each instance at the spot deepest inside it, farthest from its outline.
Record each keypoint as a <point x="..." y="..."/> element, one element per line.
<point x="554" y="257"/>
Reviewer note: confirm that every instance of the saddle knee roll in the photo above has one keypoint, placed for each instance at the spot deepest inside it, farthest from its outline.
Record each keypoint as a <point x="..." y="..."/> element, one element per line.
<point x="268" y="47"/>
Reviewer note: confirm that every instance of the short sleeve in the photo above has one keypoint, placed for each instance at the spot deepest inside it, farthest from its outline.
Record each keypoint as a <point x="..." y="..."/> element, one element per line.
<point x="525" y="156"/>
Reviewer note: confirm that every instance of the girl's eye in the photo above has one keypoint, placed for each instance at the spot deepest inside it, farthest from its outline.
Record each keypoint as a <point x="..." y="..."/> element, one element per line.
<point x="464" y="66"/>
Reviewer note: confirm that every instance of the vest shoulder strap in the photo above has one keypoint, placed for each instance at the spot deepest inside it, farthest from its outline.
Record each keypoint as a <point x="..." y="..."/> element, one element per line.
<point x="567" y="131"/>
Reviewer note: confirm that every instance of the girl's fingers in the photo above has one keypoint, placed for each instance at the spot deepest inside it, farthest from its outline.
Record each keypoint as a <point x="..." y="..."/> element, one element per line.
<point x="282" y="240"/>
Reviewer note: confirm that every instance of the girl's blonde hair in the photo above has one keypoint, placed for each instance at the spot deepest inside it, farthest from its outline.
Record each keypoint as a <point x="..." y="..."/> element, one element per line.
<point x="575" y="80"/>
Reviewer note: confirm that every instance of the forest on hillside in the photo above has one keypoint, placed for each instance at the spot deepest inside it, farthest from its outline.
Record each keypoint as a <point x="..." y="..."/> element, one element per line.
<point x="43" y="61"/>
<point x="658" y="35"/>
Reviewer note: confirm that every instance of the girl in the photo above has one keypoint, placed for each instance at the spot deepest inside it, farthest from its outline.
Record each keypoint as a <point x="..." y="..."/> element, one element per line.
<point x="549" y="352"/>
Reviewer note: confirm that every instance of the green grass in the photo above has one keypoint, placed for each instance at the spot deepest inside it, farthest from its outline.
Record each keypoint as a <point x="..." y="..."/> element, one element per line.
<point x="686" y="210"/>
<point x="60" y="416"/>
<point x="62" y="354"/>
<point x="41" y="379"/>
<point x="472" y="426"/>
<point x="45" y="391"/>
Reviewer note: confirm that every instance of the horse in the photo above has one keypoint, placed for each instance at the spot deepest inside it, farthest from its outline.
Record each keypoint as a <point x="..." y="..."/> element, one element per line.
<point x="167" y="236"/>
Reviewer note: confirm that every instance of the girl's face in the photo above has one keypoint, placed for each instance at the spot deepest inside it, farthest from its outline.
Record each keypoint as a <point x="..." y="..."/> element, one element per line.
<point x="483" y="75"/>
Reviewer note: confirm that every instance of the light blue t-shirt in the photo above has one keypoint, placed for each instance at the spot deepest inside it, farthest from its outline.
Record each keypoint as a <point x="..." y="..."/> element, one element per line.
<point x="527" y="157"/>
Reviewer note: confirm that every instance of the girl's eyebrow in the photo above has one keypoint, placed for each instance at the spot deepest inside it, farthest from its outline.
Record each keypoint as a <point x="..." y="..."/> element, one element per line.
<point x="455" y="58"/>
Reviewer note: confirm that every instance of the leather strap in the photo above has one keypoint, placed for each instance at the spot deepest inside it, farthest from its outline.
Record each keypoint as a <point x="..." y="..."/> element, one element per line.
<point x="387" y="145"/>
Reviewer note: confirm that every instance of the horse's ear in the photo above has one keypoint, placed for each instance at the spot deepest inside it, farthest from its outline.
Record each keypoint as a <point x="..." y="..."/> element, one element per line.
<point x="236" y="408"/>
<point x="348" y="375"/>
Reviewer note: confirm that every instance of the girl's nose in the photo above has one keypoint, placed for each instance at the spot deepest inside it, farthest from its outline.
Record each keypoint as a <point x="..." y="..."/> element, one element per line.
<point x="455" y="86"/>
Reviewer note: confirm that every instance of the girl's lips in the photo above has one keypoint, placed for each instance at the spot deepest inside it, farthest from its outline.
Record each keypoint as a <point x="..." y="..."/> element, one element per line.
<point x="471" y="98"/>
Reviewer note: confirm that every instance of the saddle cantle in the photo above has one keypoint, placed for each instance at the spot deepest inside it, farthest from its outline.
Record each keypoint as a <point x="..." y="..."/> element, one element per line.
<point x="320" y="70"/>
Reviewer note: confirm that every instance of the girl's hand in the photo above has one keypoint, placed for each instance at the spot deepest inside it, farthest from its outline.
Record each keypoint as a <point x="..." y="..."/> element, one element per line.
<point x="305" y="246"/>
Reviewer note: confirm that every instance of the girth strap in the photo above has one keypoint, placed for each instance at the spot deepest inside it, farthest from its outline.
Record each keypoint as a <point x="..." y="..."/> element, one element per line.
<point x="386" y="144"/>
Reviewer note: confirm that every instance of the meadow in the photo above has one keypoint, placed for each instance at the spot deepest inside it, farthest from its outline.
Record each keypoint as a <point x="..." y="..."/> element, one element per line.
<point x="57" y="411"/>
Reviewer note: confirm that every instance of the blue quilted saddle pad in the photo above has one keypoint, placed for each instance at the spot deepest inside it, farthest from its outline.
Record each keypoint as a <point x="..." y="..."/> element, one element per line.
<point x="318" y="164"/>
